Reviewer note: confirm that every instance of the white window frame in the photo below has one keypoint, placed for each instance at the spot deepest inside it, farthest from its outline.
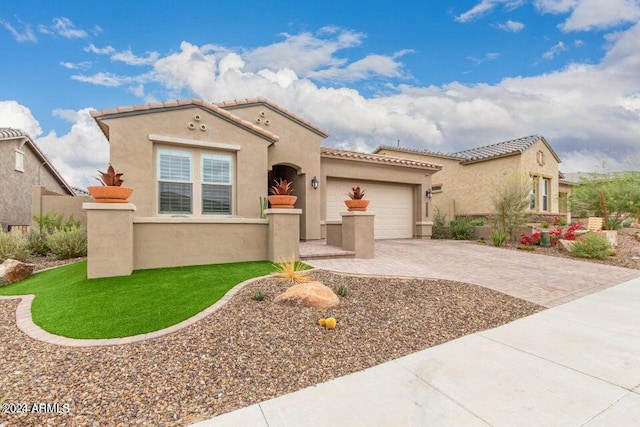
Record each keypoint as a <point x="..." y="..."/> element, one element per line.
<point x="533" y="204"/>
<point x="19" y="160"/>
<point x="546" y="189"/>
<point x="159" y="179"/>
<point x="220" y="156"/>
<point x="197" y="155"/>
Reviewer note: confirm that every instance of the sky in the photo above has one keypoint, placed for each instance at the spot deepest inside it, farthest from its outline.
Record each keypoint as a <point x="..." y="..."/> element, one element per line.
<point x="434" y="75"/>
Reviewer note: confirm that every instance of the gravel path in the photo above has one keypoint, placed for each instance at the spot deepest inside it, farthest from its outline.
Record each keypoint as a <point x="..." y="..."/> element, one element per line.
<point x="246" y="352"/>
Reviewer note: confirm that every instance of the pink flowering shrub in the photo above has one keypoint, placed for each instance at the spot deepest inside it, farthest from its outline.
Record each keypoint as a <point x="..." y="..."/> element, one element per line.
<point x="556" y="234"/>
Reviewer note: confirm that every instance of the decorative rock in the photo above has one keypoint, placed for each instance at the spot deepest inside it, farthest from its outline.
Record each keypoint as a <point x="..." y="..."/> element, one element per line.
<point x="311" y="294"/>
<point x="566" y="244"/>
<point x="12" y="271"/>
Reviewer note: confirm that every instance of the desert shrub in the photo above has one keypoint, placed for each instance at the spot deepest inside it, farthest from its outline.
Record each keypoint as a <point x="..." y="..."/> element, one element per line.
<point x="511" y="202"/>
<point x="592" y="245"/>
<point x="13" y="246"/>
<point x="47" y="225"/>
<point x="461" y="228"/>
<point x="292" y="271"/>
<point x="478" y="222"/>
<point x="439" y="230"/>
<point x="68" y="243"/>
<point x="498" y="236"/>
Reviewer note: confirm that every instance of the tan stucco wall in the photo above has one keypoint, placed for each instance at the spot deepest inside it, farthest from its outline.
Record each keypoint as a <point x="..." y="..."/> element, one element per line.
<point x="549" y="170"/>
<point x="162" y="244"/>
<point x="298" y="147"/>
<point x="132" y="153"/>
<point x="43" y="202"/>
<point x="363" y="172"/>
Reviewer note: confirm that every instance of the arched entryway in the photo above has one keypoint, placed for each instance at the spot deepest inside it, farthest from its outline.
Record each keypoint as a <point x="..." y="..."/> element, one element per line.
<point x="292" y="174"/>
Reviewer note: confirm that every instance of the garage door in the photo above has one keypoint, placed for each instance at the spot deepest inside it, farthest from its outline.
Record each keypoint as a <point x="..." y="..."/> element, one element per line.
<point x="391" y="203"/>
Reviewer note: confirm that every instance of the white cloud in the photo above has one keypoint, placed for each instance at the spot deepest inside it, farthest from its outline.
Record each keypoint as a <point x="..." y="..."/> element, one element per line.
<point x="590" y="14"/>
<point x="80" y="152"/>
<point x="511" y="26"/>
<point x="76" y="65"/>
<point x="485" y="6"/>
<point x="107" y="50"/>
<point x="368" y="67"/>
<point x="554" y="51"/>
<point x="129" y="58"/>
<point x="16" y="116"/>
<point x="112" y="80"/>
<point x="65" y="28"/>
<point x="26" y="35"/>
<point x="491" y="56"/>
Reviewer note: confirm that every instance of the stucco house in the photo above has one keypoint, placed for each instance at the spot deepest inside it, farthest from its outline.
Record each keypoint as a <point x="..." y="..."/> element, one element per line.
<point x="197" y="167"/>
<point x="469" y="178"/>
<point x="22" y="166"/>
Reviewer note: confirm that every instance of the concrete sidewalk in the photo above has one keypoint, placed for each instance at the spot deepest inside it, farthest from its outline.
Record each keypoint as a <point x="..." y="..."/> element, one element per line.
<point x="576" y="364"/>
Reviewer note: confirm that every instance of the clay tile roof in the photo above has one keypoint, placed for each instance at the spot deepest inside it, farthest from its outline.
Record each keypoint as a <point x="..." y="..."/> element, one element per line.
<point x="376" y="158"/>
<point x="10" y="133"/>
<point x="239" y="103"/>
<point x="418" y="151"/>
<point x="137" y="109"/>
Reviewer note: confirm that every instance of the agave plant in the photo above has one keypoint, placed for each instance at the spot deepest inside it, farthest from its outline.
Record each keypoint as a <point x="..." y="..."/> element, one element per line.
<point x="110" y="178"/>
<point x="356" y="193"/>
<point x="291" y="271"/>
<point x="282" y="187"/>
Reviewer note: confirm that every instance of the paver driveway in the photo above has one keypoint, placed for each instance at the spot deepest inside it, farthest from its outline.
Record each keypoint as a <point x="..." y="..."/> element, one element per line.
<point x="541" y="279"/>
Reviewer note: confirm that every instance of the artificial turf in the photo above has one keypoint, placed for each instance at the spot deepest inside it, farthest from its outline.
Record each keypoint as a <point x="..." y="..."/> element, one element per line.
<point x="67" y="303"/>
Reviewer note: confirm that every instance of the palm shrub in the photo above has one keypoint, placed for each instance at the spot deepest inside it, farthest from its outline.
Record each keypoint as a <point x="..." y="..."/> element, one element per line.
<point x="461" y="228"/>
<point x="13" y="246"/>
<point x="68" y="242"/>
<point x="592" y="245"/>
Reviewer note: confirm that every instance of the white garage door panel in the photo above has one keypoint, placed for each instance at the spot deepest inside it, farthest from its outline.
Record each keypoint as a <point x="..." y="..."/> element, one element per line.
<point x="392" y="204"/>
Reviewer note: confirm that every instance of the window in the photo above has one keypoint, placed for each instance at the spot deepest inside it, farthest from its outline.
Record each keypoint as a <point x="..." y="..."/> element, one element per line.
<point x="19" y="166"/>
<point x="175" y="181"/>
<point x="216" y="184"/>
<point x="546" y="185"/>
<point x="532" y="194"/>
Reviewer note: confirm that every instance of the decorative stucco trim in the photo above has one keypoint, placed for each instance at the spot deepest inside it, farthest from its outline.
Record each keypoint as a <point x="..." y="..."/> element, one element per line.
<point x="193" y="142"/>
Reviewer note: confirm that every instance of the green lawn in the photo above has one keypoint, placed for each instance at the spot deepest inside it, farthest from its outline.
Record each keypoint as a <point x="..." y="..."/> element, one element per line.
<point x="69" y="304"/>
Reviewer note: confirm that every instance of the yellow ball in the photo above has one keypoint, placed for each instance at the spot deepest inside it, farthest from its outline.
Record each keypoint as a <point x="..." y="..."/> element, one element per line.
<point x="330" y="323"/>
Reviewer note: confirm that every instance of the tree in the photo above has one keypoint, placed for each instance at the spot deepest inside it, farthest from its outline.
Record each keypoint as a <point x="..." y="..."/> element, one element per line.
<point x="510" y="203"/>
<point x="612" y="196"/>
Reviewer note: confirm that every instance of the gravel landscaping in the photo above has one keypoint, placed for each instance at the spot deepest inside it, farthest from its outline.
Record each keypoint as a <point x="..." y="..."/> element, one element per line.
<point x="246" y="352"/>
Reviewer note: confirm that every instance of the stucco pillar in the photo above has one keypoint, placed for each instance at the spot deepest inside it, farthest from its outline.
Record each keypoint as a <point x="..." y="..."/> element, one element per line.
<point x="424" y="229"/>
<point x="284" y="234"/>
<point x="334" y="233"/>
<point x="357" y="233"/>
<point x="109" y="239"/>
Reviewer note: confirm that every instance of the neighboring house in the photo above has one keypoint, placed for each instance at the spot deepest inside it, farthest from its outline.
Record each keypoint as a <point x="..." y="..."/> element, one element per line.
<point x="22" y="166"/>
<point x="469" y="179"/>
<point x="196" y="162"/>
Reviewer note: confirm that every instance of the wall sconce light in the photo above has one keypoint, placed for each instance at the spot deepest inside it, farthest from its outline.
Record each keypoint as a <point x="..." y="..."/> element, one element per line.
<point x="428" y="194"/>
<point x="315" y="183"/>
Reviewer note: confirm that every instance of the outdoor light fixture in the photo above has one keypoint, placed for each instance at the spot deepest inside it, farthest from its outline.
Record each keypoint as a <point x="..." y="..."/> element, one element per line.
<point x="428" y="194"/>
<point x="315" y="183"/>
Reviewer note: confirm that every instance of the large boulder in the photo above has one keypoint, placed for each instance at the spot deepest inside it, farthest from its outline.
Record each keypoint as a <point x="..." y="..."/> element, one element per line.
<point x="311" y="294"/>
<point x="12" y="271"/>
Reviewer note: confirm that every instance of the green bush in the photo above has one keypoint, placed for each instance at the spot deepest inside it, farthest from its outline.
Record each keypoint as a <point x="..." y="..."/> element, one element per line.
<point x="461" y="228"/>
<point x="68" y="242"/>
<point x="498" y="236"/>
<point x="13" y="246"/>
<point x="48" y="224"/>
<point x="592" y="245"/>
<point x="478" y="222"/>
<point x="439" y="230"/>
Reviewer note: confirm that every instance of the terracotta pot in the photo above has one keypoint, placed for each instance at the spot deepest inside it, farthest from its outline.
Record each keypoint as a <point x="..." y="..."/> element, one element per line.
<point x="357" y="204"/>
<point x="106" y="194"/>
<point x="282" y="201"/>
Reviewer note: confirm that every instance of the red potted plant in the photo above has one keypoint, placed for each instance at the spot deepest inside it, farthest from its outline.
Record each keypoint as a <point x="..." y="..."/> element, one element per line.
<point x="356" y="200"/>
<point x="111" y="190"/>
<point x="280" y="195"/>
